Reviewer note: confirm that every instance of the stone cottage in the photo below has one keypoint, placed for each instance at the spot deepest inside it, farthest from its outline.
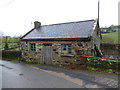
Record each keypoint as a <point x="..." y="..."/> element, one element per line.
<point x="57" y="43"/>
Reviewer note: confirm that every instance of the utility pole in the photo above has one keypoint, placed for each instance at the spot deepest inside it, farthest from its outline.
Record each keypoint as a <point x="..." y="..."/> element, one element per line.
<point x="98" y="10"/>
<point x="31" y="24"/>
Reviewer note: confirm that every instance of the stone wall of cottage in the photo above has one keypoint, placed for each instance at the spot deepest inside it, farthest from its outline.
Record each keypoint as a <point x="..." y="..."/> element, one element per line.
<point x="57" y="57"/>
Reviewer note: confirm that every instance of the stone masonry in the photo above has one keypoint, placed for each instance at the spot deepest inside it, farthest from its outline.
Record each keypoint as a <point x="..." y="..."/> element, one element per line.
<point x="57" y="57"/>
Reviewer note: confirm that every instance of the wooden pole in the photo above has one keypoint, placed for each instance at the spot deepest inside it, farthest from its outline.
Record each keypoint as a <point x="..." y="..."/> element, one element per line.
<point x="98" y="10"/>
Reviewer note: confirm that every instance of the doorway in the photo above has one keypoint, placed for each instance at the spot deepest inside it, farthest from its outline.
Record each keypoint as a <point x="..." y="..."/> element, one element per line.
<point x="47" y="53"/>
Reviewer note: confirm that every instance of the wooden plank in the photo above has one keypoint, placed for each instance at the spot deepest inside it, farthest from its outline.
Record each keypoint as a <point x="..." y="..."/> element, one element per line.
<point x="47" y="53"/>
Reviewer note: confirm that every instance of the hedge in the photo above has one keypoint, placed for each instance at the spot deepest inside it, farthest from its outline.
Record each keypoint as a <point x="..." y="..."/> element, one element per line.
<point x="11" y="54"/>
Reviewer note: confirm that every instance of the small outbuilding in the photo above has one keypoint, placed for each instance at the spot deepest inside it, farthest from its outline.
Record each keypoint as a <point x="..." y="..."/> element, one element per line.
<point x="57" y="43"/>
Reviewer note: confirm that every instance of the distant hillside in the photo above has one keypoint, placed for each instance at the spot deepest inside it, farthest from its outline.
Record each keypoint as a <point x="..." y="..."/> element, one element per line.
<point x="110" y="35"/>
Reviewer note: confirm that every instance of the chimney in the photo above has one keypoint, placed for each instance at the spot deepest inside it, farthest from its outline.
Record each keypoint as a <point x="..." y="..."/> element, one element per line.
<point x="37" y="25"/>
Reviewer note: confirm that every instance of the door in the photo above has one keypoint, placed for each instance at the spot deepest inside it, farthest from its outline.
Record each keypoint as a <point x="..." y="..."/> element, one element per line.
<point x="47" y="53"/>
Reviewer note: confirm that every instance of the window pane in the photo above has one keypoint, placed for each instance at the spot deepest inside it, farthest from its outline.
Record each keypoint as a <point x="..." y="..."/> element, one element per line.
<point x="69" y="45"/>
<point x="66" y="48"/>
<point x="32" y="46"/>
<point x="69" y="50"/>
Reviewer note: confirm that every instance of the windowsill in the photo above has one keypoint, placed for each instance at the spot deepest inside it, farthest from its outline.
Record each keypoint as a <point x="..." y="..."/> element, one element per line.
<point x="32" y="51"/>
<point x="67" y="55"/>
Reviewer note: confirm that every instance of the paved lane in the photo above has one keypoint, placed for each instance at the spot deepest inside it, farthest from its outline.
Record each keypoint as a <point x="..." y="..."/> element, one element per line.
<point x="22" y="76"/>
<point x="18" y="75"/>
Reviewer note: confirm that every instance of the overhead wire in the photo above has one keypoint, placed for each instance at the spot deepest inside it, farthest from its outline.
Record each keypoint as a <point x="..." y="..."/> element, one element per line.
<point x="7" y="4"/>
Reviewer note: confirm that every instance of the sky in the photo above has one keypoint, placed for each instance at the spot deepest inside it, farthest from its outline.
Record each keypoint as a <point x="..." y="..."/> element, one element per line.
<point x="17" y="16"/>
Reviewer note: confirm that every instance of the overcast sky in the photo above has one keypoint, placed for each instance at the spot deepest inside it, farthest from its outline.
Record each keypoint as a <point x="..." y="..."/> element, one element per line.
<point x="17" y="16"/>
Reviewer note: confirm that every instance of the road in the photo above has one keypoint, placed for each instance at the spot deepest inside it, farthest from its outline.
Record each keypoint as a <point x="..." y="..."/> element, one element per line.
<point x="20" y="75"/>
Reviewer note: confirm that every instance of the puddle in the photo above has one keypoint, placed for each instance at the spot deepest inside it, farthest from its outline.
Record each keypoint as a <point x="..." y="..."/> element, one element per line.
<point x="2" y="65"/>
<point x="20" y="74"/>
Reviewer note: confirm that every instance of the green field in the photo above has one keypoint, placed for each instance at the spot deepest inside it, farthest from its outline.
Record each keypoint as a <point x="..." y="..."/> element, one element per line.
<point x="111" y="38"/>
<point x="13" y="43"/>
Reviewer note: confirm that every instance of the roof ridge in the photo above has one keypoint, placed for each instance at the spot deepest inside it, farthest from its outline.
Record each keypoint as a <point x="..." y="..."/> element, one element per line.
<point x="70" y="22"/>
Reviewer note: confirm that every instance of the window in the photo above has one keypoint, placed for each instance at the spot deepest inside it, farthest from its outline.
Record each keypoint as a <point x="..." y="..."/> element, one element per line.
<point x="66" y="49"/>
<point x="32" y="47"/>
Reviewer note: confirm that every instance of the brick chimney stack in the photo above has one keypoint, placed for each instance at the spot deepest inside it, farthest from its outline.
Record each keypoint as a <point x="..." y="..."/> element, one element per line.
<point x="37" y="25"/>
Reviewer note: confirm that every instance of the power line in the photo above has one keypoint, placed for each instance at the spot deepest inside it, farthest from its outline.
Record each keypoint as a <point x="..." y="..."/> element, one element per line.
<point x="7" y="4"/>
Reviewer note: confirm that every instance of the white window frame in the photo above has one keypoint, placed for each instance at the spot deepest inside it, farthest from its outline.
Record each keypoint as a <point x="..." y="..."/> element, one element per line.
<point x="32" y="48"/>
<point x="67" y="48"/>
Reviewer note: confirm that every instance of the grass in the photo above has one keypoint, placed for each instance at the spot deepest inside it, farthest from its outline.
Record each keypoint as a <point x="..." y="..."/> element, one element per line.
<point x="89" y="69"/>
<point x="9" y="45"/>
<point x="42" y="64"/>
<point x="11" y="59"/>
<point x="111" y="38"/>
<point x="18" y="48"/>
<point x="102" y="70"/>
<point x="12" y="42"/>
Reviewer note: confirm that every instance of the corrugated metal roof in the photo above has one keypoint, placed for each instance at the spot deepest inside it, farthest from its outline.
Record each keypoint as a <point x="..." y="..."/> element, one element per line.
<point x="80" y="29"/>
